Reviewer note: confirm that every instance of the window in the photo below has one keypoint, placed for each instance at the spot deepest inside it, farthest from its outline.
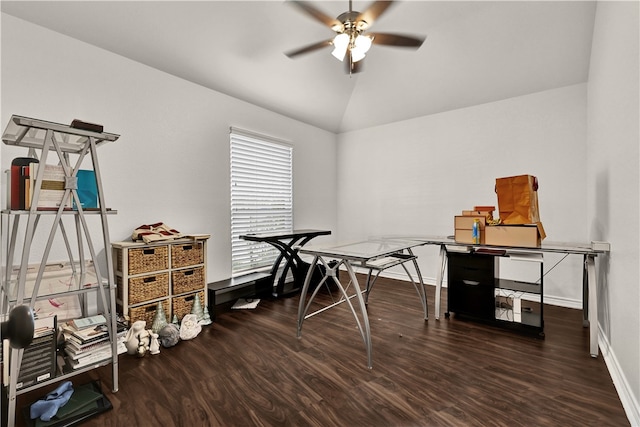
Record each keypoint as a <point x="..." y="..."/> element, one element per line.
<point x="261" y="196"/>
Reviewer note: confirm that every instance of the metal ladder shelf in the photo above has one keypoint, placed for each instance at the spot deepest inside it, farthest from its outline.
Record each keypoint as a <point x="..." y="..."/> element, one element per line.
<point x="72" y="146"/>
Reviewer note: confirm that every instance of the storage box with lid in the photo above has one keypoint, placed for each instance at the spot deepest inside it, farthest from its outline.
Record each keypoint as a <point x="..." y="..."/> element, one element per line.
<point x="524" y="235"/>
<point x="463" y="228"/>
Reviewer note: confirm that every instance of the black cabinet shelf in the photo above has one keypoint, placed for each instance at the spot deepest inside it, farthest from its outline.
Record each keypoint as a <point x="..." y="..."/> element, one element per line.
<point x="516" y="285"/>
<point x="476" y="292"/>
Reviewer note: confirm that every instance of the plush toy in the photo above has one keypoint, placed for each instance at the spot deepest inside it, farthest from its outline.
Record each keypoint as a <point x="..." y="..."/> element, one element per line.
<point x="136" y="335"/>
<point x="169" y="335"/>
<point x="189" y="328"/>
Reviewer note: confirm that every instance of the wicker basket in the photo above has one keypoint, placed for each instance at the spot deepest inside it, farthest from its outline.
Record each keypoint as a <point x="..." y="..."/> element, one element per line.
<point x="187" y="280"/>
<point x="147" y="312"/>
<point x="185" y="255"/>
<point x="145" y="288"/>
<point x="182" y="305"/>
<point x="144" y="260"/>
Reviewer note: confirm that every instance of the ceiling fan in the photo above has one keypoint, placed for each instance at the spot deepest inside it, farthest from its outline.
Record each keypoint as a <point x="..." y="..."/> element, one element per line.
<point x="352" y="42"/>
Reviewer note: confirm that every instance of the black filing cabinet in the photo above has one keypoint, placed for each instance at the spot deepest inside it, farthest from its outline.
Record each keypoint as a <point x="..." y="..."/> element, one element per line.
<point x="471" y="289"/>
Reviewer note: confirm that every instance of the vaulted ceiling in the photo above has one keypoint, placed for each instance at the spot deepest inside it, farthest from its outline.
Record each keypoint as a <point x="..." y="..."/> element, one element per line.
<point x="475" y="52"/>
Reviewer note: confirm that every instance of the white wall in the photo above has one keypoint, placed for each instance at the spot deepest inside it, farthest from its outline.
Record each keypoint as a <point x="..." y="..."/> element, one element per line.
<point x="412" y="177"/>
<point x="613" y="179"/>
<point x="171" y="162"/>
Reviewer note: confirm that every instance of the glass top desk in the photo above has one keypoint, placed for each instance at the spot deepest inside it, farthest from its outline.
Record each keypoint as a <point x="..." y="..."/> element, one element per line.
<point x="288" y="243"/>
<point x="589" y="277"/>
<point x="374" y="254"/>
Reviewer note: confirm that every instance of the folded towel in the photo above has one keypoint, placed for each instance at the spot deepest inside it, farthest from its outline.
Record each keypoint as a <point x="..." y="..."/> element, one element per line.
<point x="47" y="408"/>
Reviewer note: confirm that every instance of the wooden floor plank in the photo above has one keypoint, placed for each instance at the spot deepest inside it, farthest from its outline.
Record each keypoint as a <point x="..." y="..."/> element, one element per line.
<point x="249" y="369"/>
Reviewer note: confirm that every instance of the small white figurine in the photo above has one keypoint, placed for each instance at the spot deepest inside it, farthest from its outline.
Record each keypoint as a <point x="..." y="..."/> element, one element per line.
<point x="142" y="349"/>
<point x="135" y="333"/>
<point x="154" y="347"/>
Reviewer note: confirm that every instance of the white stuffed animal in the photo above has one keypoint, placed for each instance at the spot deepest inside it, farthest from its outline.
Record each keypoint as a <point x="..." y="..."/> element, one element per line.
<point x="136" y="336"/>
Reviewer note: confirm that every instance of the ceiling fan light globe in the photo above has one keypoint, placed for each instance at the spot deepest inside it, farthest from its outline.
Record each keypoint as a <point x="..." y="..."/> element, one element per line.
<point x="357" y="55"/>
<point x="339" y="53"/>
<point x="360" y="47"/>
<point x="363" y="44"/>
<point x="340" y="44"/>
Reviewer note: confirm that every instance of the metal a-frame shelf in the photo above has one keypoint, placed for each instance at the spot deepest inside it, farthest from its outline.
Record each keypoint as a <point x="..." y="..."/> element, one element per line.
<point x="72" y="146"/>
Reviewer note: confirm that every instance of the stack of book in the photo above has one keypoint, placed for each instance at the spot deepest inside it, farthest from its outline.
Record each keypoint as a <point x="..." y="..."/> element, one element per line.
<point x="39" y="357"/>
<point x="19" y="183"/>
<point x="21" y="186"/>
<point x="87" y="341"/>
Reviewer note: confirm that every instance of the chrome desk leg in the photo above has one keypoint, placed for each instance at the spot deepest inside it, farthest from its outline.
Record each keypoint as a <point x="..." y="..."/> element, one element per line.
<point x="362" y="321"/>
<point x="302" y="310"/>
<point x="585" y="293"/>
<point x="439" y="274"/>
<point x="369" y="284"/>
<point x="593" y="305"/>
<point x="422" y="293"/>
<point x="364" y="328"/>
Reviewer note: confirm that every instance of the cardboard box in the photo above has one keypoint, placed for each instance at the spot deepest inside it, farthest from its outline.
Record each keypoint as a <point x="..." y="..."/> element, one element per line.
<point x="480" y="211"/>
<point x="522" y="235"/>
<point x="484" y="208"/>
<point x="466" y="236"/>
<point x="463" y="228"/>
<point x="465" y="222"/>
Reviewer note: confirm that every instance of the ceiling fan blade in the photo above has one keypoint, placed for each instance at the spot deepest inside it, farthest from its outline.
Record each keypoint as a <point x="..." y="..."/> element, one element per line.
<point x="309" y="48"/>
<point x="374" y="11"/>
<point x="316" y="14"/>
<point x="397" y="40"/>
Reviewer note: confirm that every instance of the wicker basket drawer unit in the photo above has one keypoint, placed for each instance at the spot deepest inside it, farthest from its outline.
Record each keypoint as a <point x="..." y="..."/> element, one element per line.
<point x="144" y="288"/>
<point x="187" y="280"/>
<point x="187" y="254"/>
<point x="147" y="312"/>
<point x="183" y="304"/>
<point x="172" y="272"/>
<point x="144" y="260"/>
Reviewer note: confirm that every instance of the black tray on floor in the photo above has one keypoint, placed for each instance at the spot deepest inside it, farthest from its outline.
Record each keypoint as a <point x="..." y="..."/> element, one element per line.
<point x="89" y="410"/>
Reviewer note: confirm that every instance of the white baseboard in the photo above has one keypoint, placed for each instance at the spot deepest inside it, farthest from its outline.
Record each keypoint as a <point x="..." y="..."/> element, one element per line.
<point x="563" y="302"/>
<point x="628" y="400"/>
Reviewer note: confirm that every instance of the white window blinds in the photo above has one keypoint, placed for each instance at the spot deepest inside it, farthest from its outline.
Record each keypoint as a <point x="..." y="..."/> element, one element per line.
<point x="261" y="196"/>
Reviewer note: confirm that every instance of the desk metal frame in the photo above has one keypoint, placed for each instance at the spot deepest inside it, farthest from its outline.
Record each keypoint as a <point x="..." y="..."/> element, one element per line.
<point x="589" y="278"/>
<point x="361" y="254"/>
<point x="288" y="243"/>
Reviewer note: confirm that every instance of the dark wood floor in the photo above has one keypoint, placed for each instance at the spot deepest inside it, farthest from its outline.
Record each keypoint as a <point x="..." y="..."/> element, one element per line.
<point x="249" y="369"/>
